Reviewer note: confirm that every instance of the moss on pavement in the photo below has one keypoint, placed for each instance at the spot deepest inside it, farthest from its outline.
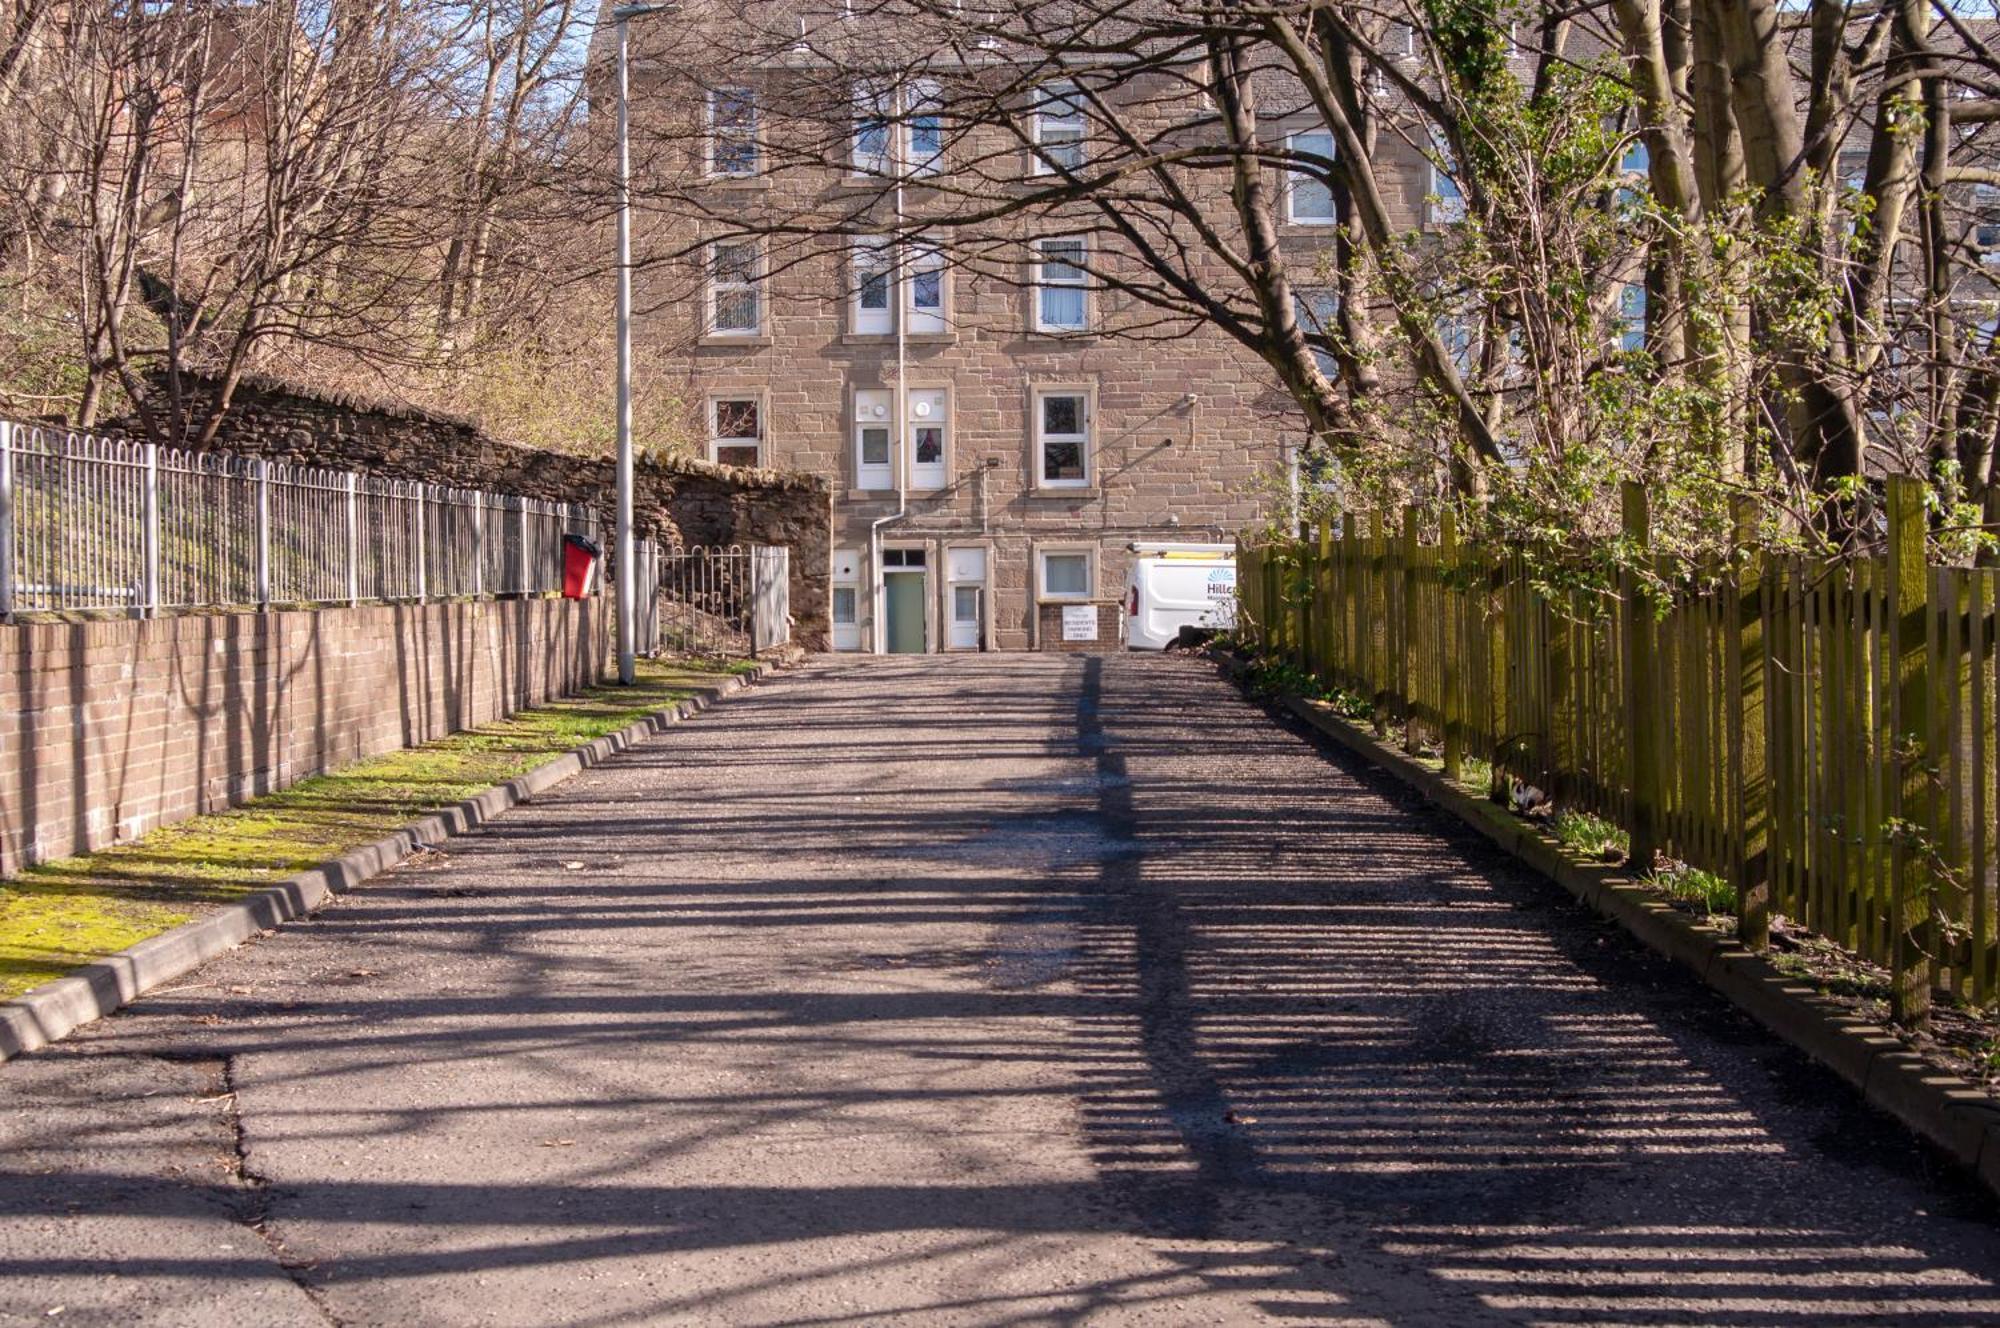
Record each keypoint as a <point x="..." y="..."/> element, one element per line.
<point x="58" y="915"/>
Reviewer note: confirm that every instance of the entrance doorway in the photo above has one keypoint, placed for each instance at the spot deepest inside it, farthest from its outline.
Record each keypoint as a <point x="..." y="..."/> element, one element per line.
<point x="965" y="569"/>
<point x="905" y="595"/>
<point x="965" y="617"/>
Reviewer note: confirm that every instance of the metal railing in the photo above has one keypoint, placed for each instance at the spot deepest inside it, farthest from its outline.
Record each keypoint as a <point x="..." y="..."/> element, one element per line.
<point x="92" y="524"/>
<point x="730" y="600"/>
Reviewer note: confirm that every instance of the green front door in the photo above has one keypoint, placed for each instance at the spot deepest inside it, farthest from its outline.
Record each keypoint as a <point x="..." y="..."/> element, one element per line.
<point x="905" y="593"/>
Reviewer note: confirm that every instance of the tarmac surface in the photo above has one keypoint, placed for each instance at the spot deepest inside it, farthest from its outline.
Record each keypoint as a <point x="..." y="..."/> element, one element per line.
<point x="979" y="990"/>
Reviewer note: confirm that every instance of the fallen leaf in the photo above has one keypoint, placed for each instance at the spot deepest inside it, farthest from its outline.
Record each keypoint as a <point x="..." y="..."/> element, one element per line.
<point x="572" y="866"/>
<point x="239" y="991"/>
<point x="558" y="1143"/>
<point x="363" y="973"/>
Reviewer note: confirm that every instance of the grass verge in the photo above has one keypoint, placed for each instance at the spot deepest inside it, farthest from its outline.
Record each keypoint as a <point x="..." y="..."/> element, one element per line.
<point x="61" y="914"/>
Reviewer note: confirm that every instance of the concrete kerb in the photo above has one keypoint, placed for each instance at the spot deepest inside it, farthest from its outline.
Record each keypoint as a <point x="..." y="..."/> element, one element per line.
<point x="1951" y="1112"/>
<point x="54" y="1010"/>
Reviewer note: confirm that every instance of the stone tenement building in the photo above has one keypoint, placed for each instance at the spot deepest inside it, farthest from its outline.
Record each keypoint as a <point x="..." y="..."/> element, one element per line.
<point x="995" y="441"/>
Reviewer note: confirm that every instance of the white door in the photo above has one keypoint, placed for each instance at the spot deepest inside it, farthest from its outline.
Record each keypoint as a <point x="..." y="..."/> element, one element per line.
<point x="847" y="599"/>
<point x="966" y="615"/>
<point x="965" y="569"/>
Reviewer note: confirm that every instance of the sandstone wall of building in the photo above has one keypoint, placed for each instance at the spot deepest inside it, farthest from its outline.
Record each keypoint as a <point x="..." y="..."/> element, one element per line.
<point x="1191" y="436"/>
<point x="677" y="501"/>
<point x="108" y="729"/>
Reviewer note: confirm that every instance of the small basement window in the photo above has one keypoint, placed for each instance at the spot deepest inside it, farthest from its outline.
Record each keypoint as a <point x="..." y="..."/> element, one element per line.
<point x="1066" y="574"/>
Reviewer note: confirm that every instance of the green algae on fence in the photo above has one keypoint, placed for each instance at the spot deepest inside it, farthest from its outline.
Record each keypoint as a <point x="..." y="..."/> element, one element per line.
<point x="1814" y="737"/>
<point x="58" y="915"/>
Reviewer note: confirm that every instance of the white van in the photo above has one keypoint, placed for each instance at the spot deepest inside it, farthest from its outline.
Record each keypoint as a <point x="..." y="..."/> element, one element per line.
<point x="1172" y="586"/>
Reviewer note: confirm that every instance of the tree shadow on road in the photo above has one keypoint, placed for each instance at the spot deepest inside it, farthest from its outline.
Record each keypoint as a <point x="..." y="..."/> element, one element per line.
<point x="1328" y="1059"/>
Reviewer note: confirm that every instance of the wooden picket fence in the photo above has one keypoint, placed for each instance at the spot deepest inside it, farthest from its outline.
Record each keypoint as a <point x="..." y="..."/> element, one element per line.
<point x="1821" y="732"/>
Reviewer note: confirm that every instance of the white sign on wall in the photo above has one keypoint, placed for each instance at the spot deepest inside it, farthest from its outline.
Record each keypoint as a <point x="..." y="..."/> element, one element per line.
<point x="1079" y="622"/>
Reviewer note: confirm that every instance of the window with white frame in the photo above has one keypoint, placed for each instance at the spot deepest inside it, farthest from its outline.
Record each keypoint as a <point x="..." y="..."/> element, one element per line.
<point x="1631" y="317"/>
<point x="1058" y="129"/>
<point x="874" y="426"/>
<point x="1444" y="204"/>
<point x="735" y="305"/>
<point x="1065" y="574"/>
<point x="1061" y="285"/>
<point x="1308" y="197"/>
<point x="1062" y="438"/>
<point x="925" y="305"/>
<point x="1317" y="309"/>
<point x="1457" y="332"/>
<point x="930" y="437"/>
<point x="923" y="128"/>
<point x="1986" y="222"/>
<point x="1635" y="179"/>
<point x="736" y="431"/>
<point x="870" y="308"/>
<point x="896" y="128"/>
<point x="873" y="117"/>
<point x="732" y="132"/>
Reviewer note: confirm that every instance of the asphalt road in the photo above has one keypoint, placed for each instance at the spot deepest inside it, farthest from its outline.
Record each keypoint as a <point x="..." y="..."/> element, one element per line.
<point x="996" y="990"/>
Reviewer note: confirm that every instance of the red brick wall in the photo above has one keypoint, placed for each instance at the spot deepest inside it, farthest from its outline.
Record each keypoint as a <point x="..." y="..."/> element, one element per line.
<point x="1049" y="630"/>
<point x="108" y="729"/>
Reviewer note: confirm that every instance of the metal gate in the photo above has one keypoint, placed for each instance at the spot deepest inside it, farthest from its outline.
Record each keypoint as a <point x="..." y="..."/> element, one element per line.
<point x="726" y="600"/>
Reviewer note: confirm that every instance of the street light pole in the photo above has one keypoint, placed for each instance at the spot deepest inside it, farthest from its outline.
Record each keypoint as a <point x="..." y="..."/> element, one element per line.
<point x="625" y="553"/>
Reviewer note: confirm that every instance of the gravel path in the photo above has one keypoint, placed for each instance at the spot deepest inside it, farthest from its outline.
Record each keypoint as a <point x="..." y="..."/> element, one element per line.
<point x="993" y="990"/>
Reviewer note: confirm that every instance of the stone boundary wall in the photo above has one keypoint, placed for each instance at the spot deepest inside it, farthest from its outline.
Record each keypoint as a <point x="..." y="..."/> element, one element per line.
<point x="677" y="501"/>
<point x="108" y="729"/>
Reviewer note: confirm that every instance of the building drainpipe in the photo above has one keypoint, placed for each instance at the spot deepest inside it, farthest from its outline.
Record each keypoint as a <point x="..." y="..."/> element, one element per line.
<point x="878" y="584"/>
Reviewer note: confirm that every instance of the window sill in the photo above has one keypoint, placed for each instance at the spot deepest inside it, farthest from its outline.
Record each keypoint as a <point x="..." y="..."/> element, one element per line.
<point x="736" y="181"/>
<point x="733" y="341"/>
<point x="889" y="495"/>
<point x="855" y="182"/>
<point x="889" y="339"/>
<point x="1050" y="336"/>
<point x="1080" y="493"/>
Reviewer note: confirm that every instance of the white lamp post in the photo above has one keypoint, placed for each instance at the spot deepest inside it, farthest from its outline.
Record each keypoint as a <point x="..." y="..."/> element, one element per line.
<point x="626" y="554"/>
